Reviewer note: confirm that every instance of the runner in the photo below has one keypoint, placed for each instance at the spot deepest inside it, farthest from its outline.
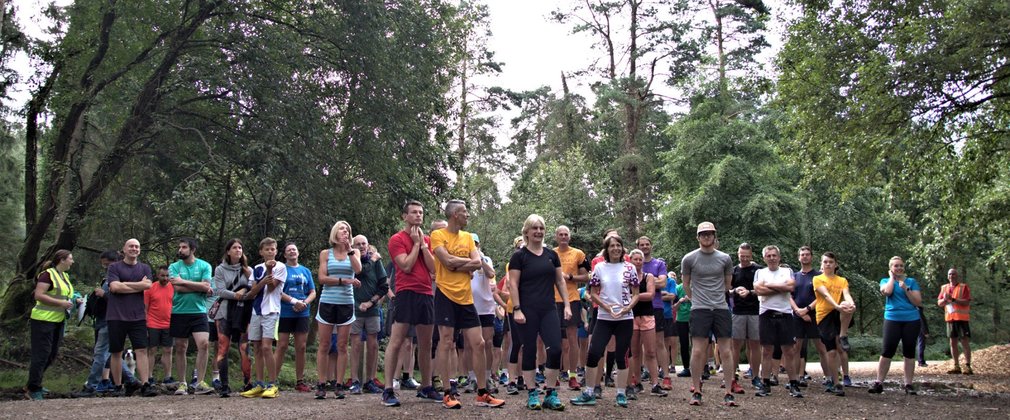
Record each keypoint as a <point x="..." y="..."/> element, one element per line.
<point x="657" y="267"/>
<point x="296" y="299"/>
<point x="803" y="311"/>
<point x="483" y="285"/>
<point x="190" y="277"/>
<point x="575" y="267"/>
<point x="834" y="309"/>
<point x="643" y="339"/>
<point x="745" y="316"/>
<point x="337" y="267"/>
<point x="231" y="284"/>
<point x="777" y="327"/>
<point x="365" y="327"/>
<point x="901" y="323"/>
<point x="268" y="282"/>
<point x="127" y="316"/>
<point x="158" y="300"/>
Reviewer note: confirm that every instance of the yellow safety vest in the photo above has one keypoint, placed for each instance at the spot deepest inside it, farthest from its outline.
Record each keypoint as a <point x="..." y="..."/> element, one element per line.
<point x="62" y="289"/>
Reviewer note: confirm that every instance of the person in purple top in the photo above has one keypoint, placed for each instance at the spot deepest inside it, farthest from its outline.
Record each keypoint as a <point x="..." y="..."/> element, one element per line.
<point x="803" y="312"/>
<point x="127" y="315"/>
<point x="657" y="267"/>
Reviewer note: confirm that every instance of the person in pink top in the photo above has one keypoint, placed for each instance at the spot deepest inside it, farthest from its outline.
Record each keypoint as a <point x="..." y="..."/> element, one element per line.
<point x="158" y="301"/>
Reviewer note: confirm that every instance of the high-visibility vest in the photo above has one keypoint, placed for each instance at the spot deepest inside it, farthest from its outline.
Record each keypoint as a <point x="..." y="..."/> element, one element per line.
<point x="955" y="311"/>
<point x="62" y="290"/>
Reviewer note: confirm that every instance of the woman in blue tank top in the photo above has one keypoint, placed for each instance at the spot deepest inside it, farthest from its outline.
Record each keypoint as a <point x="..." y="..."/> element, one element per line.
<point x="337" y="267"/>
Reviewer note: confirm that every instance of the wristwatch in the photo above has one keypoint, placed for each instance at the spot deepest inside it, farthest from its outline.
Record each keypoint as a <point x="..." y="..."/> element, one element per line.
<point x="516" y="308"/>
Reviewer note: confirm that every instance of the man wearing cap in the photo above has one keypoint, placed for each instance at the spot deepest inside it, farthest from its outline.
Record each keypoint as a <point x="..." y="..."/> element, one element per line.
<point x="708" y="276"/>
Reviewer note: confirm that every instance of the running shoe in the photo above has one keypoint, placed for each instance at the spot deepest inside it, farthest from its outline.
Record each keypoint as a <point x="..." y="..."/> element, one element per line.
<point x="667" y="384"/>
<point x="115" y="392"/>
<point x="148" y="390"/>
<point x="389" y="398"/>
<point x="224" y="392"/>
<point x="846" y="381"/>
<point x="488" y="400"/>
<point x="131" y="388"/>
<point x="410" y="383"/>
<point x="436" y="382"/>
<point x="355" y="387"/>
<point x="696" y="399"/>
<point x="573" y="383"/>
<point x="838" y="390"/>
<point x="876" y="388"/>
<point x="729" y="401"/>
<point x="684" y="373"/>
<point x="774" y="380"/>
<point x="533" y="400"/>
<point x="756" y="383"/>
<point x="449" y="401"/>
<point x="181" y="389"/>
<point x="782" y="369"/>
<point x="609" y="382"/>
<point x="967" y="370"/>
<point x="86" y="392"/>
<point x="551" y="401"/>
<point x="372" y="388"/>
<point x="583" y="399"/>
<point x="540" y="378"/>
<point x="471" y="387"/>
<point x="339" y="392"/>
<point x="491" y="386"/>
<point x="216" y="384"/>
<point x="764" y="391"/>
<point x="645" y="374"/>
<point x="621" y="400"/>
<point x="630" y="393"/>
<point x="255" y="392"/>
<point x="794" y="390"/>
<point x="910" y="389"/>
<point x="503" y="377"/>
<point x="321" y="391"/>
<point x="639" y="388"/>
<point x="301" y="386"/>
<point x="955" y="371"/>
<point x="844" y="340"/>
<point x="202" y="388"/>
<point x="597" y="392"/>
<point x="429" y="393"/>
<point x="735" y="387"/>
<point x="748" y="374"/>
<point x="657" y="391"/>
<point x="511" y="389"/>
<point x="36" y="395"/>
<point x="378" y="383"/>
<point x="271" y="391"/>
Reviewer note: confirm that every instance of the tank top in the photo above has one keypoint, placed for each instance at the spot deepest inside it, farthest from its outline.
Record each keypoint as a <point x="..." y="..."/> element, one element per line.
<point x="342" y="294"/>
<point x="644" y="306"/>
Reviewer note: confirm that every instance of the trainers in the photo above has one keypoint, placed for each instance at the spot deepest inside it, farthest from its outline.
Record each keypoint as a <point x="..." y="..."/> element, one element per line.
<point x="86" y="392"/>
<point x="503" y="377"/>
<point x="130" y="388"/>
<point x="437" y="384"/>
<point x="488" y="400"/>
<point x="378" y="383"/>
<point x="271" y="391"/>
<point x="410" y="383"/>
<point x="639" y="388"/>
<point x="844" y="340"/>
<point x="552" y="402"/>
<point x="573" y="383"/>
<point x="630" y="393"/>
<point x="846" y="381"/>
<point x="449" y="401"/>
<point x="104" y="386"/>
<point x="967" y="370"/>
<point x="597" y="392"/>
<point x="667" y="384"/>
<point x="339" y="393"/>
<point x="540" y="378"/>
<point x="355" y="387"/>
<point x="955" y="371"/>
<point x="922" y="364"/>
<point x="372" y="388"/>
<point x="684" y="373"/>
<point x="794" y="390"/>
<point x="168" y="381"/>
<point x="116" y="392"/>
<point x="254" y="392"/>
<point x="583" y="399"/>
<point x="657" y="391"/>
<point x="763" y="391"/>
<point x="389" y="398"/>
<point x="729" y="401"/>
<point x="748" y="374"/>
<point x="696" y="398"/>
<point x="876" y="388"/>
<point x="225" y="391"/>
<point x="756" y="383"/>
<point x="301" y="386"/>
<point x="249" y="385"/>
<point x="147" y="390"/>
<point x="471" y="387"/>
<point x="621" y="400"/>
<point x="838" y="390"/>
<point x="735" y="387"/>
<point x="511" y="389"/>
<point x="429" y="393"/>
<point x="202" y="389"/>
<point x="533" y="400"/>
<point x="773" y="381"/>
<point x="910" y="389"/>
<point x="181" y="389"/>
<point x="321" y="391"/>
<point x="609" y="382"/>
<point x="36" y="395"/>
<point x="216" y="384"/>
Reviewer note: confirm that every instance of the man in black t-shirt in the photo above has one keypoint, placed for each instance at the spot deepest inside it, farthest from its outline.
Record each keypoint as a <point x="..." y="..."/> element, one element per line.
<point x="745" y="313"/>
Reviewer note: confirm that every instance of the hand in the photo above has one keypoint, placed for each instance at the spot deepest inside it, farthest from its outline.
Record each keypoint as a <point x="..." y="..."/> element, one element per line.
<point x="355" y="282"/>
<point x="519" y="317"/>
<point x="568" y="313"/>
<point x="239" y="295"/>
<point x="99" y="292"/>
<point x="270" y="265"/>
<point x="300" y="306"/>
<point x="364" y="306"/>
<point x="66" y="304"/>
<point x="417" y="235"/>
<point x="805" y="317"/>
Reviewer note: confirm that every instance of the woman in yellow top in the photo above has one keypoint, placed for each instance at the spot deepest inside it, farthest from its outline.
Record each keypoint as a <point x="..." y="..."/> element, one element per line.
<point x="834" y="308"/>
<point x="54" y="296"/>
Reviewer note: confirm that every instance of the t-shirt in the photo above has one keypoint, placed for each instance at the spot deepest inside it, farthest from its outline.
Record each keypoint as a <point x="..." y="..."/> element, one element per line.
<point x="835" y="286"/>
<point x="298" y="285"/>
<point x="269" y="301"/>
<point x="803" y="289"/>
<point x="455" y="285"/>
<point x="684" y="310"/>
<point x="373" y="283"/>
<point x="417" y="279"/>
<point x="615" y="281"/>
<point x="537" y="277"/>
<point x="744" y="277"/>
<point x="127" y="306"/>
<point x="779" y="302"/>
<point x="897" y="307"/>
<point x="483" y="290"/>
<point x="186" y="302"/>
<point x="338" y="294"/>
<point x="571" y="260"/>
<point x="159" y="305"/>
<point x="671" y="287"/>
<point x="708" y="273"/>
<point x="656" y="267"/>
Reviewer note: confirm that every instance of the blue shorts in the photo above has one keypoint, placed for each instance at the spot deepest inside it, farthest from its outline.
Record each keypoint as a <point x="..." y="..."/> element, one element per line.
<point x="582" y="331"/>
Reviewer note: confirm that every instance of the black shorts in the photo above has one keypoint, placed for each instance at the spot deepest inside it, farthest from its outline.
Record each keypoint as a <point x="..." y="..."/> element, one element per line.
<point x="414" y="308"/>
<point x="184" y="325"/>
<point x="498" y="338"/>
<point x="658" y="315"/>
<point x="452" y="314"/>
<point x="157" y="337"/>
<point x="457" y="337"/>
<point x="708" y="322"/>
<point x="212" y="329"/>
<point x="486" y="321"/>
<point x="806" y="329"/>
<point x="669" y="327"/>
<point x="119" y="330"/>
<point x="958" y="329"/>
<point x="829" y="328"/>
<point x="576" y="307"/>
<point x="776" y="329"/>
<point x="293" y="325"/>
<point x="593" y="314"/>
<point x="333" y="314"/>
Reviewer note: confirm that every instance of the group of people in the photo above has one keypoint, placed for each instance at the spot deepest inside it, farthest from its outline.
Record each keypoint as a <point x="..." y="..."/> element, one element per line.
<point x="558" y="313"/>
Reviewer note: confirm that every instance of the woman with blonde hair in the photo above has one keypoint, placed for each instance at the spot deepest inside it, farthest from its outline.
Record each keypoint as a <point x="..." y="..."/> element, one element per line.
<point x="337" y="267"/>
<point x="901" y="323"/>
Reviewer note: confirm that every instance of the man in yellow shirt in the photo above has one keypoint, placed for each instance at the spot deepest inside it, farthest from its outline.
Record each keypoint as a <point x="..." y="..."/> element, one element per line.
<point x="456" y="258"/>
<point x="834" y="308"/>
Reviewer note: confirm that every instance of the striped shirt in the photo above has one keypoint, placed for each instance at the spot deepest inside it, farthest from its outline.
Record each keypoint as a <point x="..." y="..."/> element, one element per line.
<point x="342" y="294"/>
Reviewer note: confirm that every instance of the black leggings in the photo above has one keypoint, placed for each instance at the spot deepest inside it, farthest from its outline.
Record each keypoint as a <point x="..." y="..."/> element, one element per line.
<point x="684" y="333"/>
<point x="541" y="322"/>
<point x="905" y="331"/>
<point x="621" y="331"/>
<point x="516" y="345"/>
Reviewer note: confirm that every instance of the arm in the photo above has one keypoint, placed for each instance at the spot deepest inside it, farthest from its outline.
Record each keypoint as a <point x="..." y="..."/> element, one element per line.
<point x="634" y="301"/>
<point x="887" y="288"/>
<point x="355" y="261"/>
<point x="517" y="313"/>
<point x="488" y="269"/>
<point x="279" y="276"/>
<point x="405" y="261"/>
<point x="650" y="287"/>
<point x="559" y="283"/>
<point x="41" y="296"/>
<point x="221" y="286"/>
<point x="687" y="286"/>
<point x="325" y="279"/>
<point x="823" y="291"/>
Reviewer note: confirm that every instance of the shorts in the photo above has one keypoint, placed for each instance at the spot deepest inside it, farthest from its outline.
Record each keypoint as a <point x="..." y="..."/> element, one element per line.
<point x="486" y="321"/>
<point x="452" y="314"/>
<point x="370" y="324"/>
<point x="211" y="331"/>
<point x="829" y="327"/>
<point x="669" y="327"/>
<point x="263" y="327"/>
<point x="705" y="323"/>
<point x="804" y="329"/>
<point x="746" y="327"/>
<point x="574" y="321"/>
<point x="498" y="338"/>
<point x="958" y="329"/>
<point x="657" y="313"/>
<point x="293" y="325"/>
<point x="158" y="337"/>
<point x="777" y="328"/>
<point x="119" y="330"/>
<point x="414" y="308"/>
<point x="645" y="323"/>
<point x="185" y="325"/>
<point x="333" y="314"/>
<point x="582" y="332"/>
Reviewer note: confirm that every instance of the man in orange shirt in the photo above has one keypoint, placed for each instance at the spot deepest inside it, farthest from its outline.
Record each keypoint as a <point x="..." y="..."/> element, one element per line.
<point x="158" y="300"/>
<point x="576" y="269"/>
<point x="955" y="298"/>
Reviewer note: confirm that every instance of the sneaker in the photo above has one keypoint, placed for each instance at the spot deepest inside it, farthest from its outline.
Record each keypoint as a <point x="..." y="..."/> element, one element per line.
<point x="301" y="386"/>
<point x="630" y="393"/>
<point x="86" y="392"/>
<point x="684" y="373"/>
<point x="449" y="401"/>
<point x="782" y="369"/>
<point x="748" y="374"/>
<point x="339" y="393"/>
<point x="216" y="384"/>
<point x="846" y="381"/>
<point x="825" y="382"/>
<point x="876" y="388"/>
<point x="597" y="392"/>
<point x="104" y="386"/>
<point x="910" y="389"/>
<point x="181" y="389"/>
<point x="271" y="391"/>
<point x="609" y="382"/>
<point x="321" y="391"/>
<point x="488" y="400"/>
<point x="729" y="401"/>
<point x="437" y="384"/>
<point x="922" y="364"/>
<point x="696" y="398"/>
<point x="378" y="383"/>
<point x="168" y="381"/>
<point x="255" y="392"/>
<point x="763" y="391"/>
<point x="533" y="400"/>
<point x="36" y="395"/>
<point x="639" y="388"/>
<point x="116" y="392"/>
<point x="583" y="399"/>
<point x="657" y="391"/>
<point x="471" y="387"/>
<point x="202" y="389"/>
<point x="224" y="392"/>
<point x="520" y="382"/>
<point x="735" y="387"/>
<point x="410" y="383"/>
<point x="773" y="381"/>
<point x="756" y="383"/>
<point x="621" y="400"/>
<point x="429" y="393"/>
<point x="503" y="377"/>
<point x="967" y="370"/>
<point x="794" y="390"/>
<point x="511" y="389"/>
<point x="573" y="383"/>
<point x="844" y="339"/>
<point x="540" y="378"/>
<point x="838" y="390"/>
<point x="803" y="383"/>
<point x="355" y="387"/>
<point x="130" y="388"/>
<point x="249" y="385"/>
<point x="955" y="371"/>
<point x="148" y="390"/>
<point x="372" y="388"/>
<point x="667" y="383"/>
<point x="389" y="398"/>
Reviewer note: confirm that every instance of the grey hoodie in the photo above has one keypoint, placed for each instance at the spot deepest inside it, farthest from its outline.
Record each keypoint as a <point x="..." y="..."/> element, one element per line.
<point x="225" y="285"/>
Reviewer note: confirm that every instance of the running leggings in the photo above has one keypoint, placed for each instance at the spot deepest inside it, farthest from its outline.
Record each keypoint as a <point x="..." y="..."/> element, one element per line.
<point x="905" y="331"/>
<point x="516" y="345"/>
<point x="621" y="331"/>
<point x="541" y="322"/>
<point x="684" y="334"/>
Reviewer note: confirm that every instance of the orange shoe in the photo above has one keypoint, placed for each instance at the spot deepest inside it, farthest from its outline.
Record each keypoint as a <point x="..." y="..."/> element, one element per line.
<point x="449" y="401"/>
<point x="667" y="384"/>
<point x="487" y="400"/>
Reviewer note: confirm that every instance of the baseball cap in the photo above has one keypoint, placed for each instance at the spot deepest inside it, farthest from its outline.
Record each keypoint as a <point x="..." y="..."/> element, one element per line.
<point x="475" y="237"/>
<point x="706" y="227"/>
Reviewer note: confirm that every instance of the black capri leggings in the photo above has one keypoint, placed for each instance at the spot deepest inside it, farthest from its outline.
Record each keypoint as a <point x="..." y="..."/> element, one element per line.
<point x="516" y="345"/>
<point x="905" y="331"/>
<point x="543" y="322"/>
<point x="621" y="331"/>
<point x="684" y="334"/>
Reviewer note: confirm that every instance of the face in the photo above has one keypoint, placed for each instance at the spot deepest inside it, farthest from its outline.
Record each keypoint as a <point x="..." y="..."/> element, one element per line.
<point x="645" y="246"/>
<point x="131" y="248"/>
<point x="235" y="252"/>
<point x="897" y="267"/>
<point x="706" y="239"/>
<point x="828" y="265"/>
<point x="291" y="252"/>
<point x="746" y="256"/>
<point x="184" y="252"/>
<point x="105" y="263"/>
<point x="535" y="232"/>
<point x="67" y="262"/>
<point x="806" y="258"/>
<point x="562" y="237"/>
<point x="952" y="276"/>
<point x="361" y="244"/>
<point x="343" y="236"/>
<point x="268" y="252"/>
<point x="772" y="258"/>
<point x="414" y="215"/>
<point x="441" y="224"/>
<point x="614" y="250"/>
<point x="163" y="276"/>
<point x="461" y="215"/>
<point x="637" y="260"/>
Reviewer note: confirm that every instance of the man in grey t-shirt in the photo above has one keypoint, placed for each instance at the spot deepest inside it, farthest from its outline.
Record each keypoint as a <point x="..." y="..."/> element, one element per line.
<point x="708" y="276"/>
